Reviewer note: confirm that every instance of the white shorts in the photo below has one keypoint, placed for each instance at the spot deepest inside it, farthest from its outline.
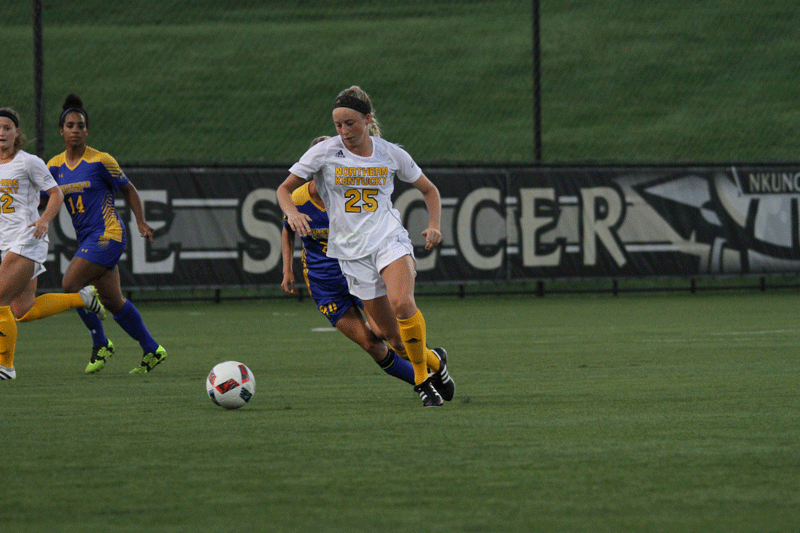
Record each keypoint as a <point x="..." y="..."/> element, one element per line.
<point x="35" y="252"/>
<point x="364" y="274"/>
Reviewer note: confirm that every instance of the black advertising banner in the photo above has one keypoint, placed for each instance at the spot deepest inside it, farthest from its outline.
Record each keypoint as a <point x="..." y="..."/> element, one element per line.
<point x="474" y="226"/>
<point x="214" y="227"/>
<point x="221" y="227"/>
<point x="648" y="222"/>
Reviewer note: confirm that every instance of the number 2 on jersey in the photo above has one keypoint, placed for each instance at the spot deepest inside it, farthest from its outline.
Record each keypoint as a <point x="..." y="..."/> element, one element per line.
<point x="7" y="204"/>
<point x="359" y="200"/>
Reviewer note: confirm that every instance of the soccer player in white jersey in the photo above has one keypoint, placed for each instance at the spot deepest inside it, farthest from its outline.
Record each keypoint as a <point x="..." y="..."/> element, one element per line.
<point x="23" y="241"/>
<point x="354" y="173"/>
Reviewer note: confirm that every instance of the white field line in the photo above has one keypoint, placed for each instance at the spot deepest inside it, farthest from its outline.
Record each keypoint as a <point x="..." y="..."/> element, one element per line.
<point x="761" y="332"/>
<point x="574" y="338"/>
<point x="739" y="335"/>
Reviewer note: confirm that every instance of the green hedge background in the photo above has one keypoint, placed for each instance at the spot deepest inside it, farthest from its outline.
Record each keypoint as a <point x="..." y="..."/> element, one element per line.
<point x="247" y="82"/>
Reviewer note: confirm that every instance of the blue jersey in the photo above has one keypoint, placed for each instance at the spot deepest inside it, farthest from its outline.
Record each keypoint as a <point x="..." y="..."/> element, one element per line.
<point x="315" y="244"/>
<point x="89" y="194"/>
<point x="324" y="278"/>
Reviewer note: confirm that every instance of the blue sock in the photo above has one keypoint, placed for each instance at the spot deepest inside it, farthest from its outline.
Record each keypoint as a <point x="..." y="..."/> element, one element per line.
<point x="94" y="325"/>
<point x="398" y="367"/>
<point x="130" y="320"/>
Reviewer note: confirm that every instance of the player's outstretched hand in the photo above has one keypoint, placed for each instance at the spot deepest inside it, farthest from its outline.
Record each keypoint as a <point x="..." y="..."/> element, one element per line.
<point x="288" y="284"/>
<point x="39" y="228"/>
<point x="145" y="231"/>
<point x="299" y="223"/>
<point x="433" y="237"/>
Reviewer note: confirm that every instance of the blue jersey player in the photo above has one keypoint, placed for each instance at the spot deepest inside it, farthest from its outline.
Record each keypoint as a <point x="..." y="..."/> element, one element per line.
<point x="328" y="286"/>
<point x="89" y="179"/>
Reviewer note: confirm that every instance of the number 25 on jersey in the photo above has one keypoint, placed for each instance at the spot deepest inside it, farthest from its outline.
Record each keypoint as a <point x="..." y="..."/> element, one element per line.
<point x="359" y="200"/>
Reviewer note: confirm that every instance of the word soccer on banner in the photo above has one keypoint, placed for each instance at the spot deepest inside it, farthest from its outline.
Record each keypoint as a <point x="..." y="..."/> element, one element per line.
<point x="221" y="227"/>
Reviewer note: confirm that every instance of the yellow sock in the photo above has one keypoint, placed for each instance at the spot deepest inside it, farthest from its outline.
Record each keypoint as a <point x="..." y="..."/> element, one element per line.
<point x="413" y="333"/>
<point x="51" y="304"/>
<point x="8" y="337"/>
<point x="432" y="360"/>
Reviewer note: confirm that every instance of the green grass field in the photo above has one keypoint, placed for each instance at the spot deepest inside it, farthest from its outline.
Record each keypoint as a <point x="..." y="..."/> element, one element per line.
<point x="641" y="412"/>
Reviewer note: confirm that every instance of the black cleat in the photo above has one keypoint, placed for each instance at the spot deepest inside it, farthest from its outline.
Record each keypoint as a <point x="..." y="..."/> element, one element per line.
<point x="427" y="392"/>
<point x="441" y="379"/>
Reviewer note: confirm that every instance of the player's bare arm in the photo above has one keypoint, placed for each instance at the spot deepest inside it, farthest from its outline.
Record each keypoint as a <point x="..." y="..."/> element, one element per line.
<point x="135" y="204"/>
<point x="433" y="201"/>
<point x="287" y="253"/>
<point x="297" y="220"/>
<point x="50" y="211"/>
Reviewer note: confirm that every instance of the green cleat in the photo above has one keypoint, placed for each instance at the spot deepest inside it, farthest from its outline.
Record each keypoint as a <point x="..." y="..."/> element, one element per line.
<point x="150" y="361"/>
<point x="100" y="355"/>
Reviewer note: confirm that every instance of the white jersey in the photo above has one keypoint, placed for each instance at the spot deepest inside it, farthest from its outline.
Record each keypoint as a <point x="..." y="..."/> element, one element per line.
<point x="357" y="192"/>
<point x="21" y="179"/>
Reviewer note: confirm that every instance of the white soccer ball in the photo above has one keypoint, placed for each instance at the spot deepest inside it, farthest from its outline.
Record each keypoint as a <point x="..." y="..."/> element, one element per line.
<point x="230" y="384"/>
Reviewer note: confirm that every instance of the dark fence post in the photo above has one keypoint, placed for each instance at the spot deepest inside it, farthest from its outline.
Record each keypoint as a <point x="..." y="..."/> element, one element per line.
<point x="38" y="76"/>
<point x="537" y="83"/>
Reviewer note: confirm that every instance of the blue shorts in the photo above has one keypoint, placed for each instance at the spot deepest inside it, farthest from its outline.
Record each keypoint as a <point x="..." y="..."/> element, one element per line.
<point x="331" y="295"/>
<point x="101" y="252"/>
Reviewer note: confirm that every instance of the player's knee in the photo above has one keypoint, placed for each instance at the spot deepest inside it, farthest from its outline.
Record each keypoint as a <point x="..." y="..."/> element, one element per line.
<point x="403" y="304"/>
<point x="404" y="307"/>
<point x="113" y="303"/>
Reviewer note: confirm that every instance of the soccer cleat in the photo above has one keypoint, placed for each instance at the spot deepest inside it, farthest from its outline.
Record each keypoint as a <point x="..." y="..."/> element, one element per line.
<point x="99" y="356"/>
<point x="91" y="302"/>
<point x="7" y="373"/>
<point x="150" y="361"/>
<point x="428" y="394"/>
<point x="441" y="379"/>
